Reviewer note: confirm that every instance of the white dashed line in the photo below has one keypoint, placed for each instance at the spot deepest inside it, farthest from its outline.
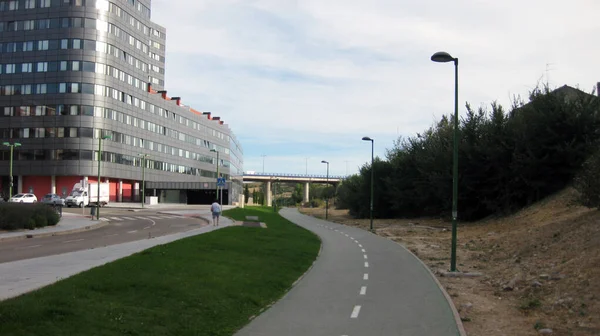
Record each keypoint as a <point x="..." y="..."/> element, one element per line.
<point x="27" y="247"/>
<point x="365" y="256"/>
<point x="366" y="264"/>
<point x="366" y="276"/>
<point x="134" y="231"/>
<point x="112" y="235"/>
<point x="364" y="251"/>
<point x="363" y="290"/>
<point x="129" y="218"/>
<point x="116" y="218"/>
<point x="72" y="241"/>
<point x="355" y="312"/>
<point x="359" y="245"/>
<point x="147" y="227"/>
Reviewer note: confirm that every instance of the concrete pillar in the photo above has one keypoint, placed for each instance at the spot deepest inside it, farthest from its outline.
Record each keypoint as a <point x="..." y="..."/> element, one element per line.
<point x="120" y="192"/>
<point x="53" y="184"/>
<point x="242" y="201"/>
<point x="19" y="185"/>
<point x="136" y="192"/>
<point x="306" y="192"/>
<point x="268" y="194"/>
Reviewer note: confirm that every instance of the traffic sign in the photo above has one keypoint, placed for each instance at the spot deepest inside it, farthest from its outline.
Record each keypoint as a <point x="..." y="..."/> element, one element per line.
<point x="221" y="182"/>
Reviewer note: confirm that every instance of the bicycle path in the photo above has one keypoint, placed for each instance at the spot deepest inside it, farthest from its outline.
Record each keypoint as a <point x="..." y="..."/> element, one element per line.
<point x="361" y="284"/>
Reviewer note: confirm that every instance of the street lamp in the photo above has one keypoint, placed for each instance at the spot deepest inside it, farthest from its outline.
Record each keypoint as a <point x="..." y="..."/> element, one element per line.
<point x="372" y="176"/>
<point x="217" y="186"/>
<point x="263" y="169"/>
<point x="10" y="185"/>
<point x="144" y="156"/>
<point x="326" y="194"/>
<point x="444" y="57"/>
<point x="102" y="137"/>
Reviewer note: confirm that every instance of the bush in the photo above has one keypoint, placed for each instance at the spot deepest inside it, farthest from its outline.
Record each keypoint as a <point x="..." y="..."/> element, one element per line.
<point x="587" y="182"/>
<point x="17" y="216"/>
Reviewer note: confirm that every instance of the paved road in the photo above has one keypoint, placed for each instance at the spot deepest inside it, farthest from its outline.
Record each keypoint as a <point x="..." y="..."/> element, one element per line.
<point x="361" y="284"/>
<point x="124" y="227"/>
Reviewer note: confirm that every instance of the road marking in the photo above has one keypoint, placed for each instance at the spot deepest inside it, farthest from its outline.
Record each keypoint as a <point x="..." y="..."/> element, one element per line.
<point x="355" y="312"/>
<point x="366" y="264"/>
<point x="26" y="247"/>
<point x="129" y="218"/>
<point x="134" y="231"/>
<point x="147" y="227"/>
<point x="363" y="290"/>
<point x="116" y="218"/>
<point x="364" y="251"/>
<point x="73" y="241"/>
<point x="365" y="256"/>
<point x="359" y="245"/>
<point x="352" y="238"/>
<point x="336" y="230"/>
<point x="112" y="235"/>
<point x="366" y="276"/>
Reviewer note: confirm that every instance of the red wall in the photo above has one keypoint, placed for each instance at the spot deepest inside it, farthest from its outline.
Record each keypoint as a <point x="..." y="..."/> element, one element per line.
<point x="40" y="185"/>
<point x="66" y="182"/>
<point x="114" y="191"/>
<point x="127" y="191"/>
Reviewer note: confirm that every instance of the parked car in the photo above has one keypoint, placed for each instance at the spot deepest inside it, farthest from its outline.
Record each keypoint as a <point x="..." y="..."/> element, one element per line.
<point x="23" y="198"/>
<point x="53" y="199"/>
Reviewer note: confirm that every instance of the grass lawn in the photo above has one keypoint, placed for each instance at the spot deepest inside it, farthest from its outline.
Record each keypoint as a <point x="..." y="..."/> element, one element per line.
<point x="210" y="284"/>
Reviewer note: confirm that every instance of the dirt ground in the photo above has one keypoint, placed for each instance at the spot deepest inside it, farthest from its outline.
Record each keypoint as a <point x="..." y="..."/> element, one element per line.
<point x="539" y="268"/>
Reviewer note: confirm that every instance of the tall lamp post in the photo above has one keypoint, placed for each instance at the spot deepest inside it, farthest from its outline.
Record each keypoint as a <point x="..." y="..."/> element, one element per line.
<point x="102" y="137"/>
<point x="326" y="195"/>
<point x="144" y="156"/>
<point x="10" y="167"/>
<point x="444" y="57"/>
<point x="217" y="185"/>
<point x="372" y="176"/>
<point x="263" y="169"/>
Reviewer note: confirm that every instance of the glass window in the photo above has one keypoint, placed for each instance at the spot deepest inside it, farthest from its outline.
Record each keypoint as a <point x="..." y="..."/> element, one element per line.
<point x="64" y="44"/>
<point x="10" y="68"/>
<point x="9" y="111"/>
<point x="43" y="24"/>
<point x="74" y="110"/>
<point x="41" y="110"/>
<point x="75" y="66"/>
<point x="89" y="66"/>
<point x="29" y="25"/>
<point x="26" y="67"/>
<point x="87" y="88"/>
<point x="76" y="44"/>
<point x="45" y="3"/>
<point x="28" y="46"/>
<point x="42" y="66"/>
<point x="87" y="110"/>
<point x="63" y="66"/>
<point x="24" y="111"/>
<point x="86" y="132"/>
<point x="43" y="45"/>
<point x="62" y="87"/>
<point x="41" y="88"/>
<point x="13" y="5"/>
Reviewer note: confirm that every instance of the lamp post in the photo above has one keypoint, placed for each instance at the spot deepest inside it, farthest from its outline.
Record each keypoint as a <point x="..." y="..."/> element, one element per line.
<point x="372" y="176"/>
<point x="326" y="195"/>
<point x="217" y="184"/>
<point x="263" y="169"/>
<point x="144" y="156"/>
<point x="102" y="137"/>
<point x="444" y="57"/>
<point x="10" y="167"/>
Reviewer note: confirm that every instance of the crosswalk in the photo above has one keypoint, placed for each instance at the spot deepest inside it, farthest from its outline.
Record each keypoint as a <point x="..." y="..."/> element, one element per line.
<point x="133" y="218"/>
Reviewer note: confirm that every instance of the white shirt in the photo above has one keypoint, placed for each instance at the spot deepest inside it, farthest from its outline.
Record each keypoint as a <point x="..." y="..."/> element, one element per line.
<point x="215" y="207"/>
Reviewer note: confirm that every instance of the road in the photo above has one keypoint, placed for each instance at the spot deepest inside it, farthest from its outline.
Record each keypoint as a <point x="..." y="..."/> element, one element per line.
<point x="125" y="226"/>
<point x="361" y="284"/>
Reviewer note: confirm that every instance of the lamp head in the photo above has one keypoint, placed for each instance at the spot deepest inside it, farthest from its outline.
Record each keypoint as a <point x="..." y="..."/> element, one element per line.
<point x="213" y="150"/>
<point x="324" y="162"/>
<point x="367" y="139"/>
<point x="16" y="144"/>
<point x="442" y="57"/>
<point x="6" y="144"/>
<point x="105" y="137"/>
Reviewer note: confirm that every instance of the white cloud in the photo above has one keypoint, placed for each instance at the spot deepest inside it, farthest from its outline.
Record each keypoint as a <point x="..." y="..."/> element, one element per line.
<point x="308" y="75"/>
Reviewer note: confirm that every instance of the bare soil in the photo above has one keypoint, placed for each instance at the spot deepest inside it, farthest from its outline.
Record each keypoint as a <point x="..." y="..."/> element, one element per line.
<point x="540" y="268"/>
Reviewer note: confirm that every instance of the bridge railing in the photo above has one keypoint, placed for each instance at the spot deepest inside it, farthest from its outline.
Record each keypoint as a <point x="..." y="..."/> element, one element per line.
<point x="294" y="175"/>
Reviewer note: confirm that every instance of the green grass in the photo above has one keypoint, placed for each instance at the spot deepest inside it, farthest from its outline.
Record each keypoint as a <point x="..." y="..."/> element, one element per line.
<point x="210" y="284"/>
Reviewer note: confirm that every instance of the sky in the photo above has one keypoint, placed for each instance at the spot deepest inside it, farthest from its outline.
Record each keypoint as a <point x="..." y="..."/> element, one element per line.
<point x="301" y="81"/>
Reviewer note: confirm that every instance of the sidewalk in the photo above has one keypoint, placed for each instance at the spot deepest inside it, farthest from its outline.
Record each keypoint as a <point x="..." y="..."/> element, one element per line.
<point x="23" y="276"/>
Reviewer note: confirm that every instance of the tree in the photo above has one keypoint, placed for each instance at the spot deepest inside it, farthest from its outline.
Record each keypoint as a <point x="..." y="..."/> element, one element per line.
<point x="246" y="193"/>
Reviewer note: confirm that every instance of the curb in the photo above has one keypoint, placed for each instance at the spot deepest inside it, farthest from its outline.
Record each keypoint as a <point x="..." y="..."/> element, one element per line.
<point x="97" y="225"/>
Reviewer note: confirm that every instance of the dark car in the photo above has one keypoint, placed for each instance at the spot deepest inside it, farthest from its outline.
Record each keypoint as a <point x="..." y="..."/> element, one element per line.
<point x="53" y="199"/>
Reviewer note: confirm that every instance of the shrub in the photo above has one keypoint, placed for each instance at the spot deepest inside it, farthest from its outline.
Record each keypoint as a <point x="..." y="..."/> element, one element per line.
<point x="587" y="182"/>
<point x="16" y="216"/>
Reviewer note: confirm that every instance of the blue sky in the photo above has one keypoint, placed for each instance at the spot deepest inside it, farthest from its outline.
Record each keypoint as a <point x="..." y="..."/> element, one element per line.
<point x="298" y="79"/>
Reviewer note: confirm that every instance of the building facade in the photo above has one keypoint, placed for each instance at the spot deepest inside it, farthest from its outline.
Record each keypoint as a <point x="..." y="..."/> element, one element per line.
<point x="83" y="77"/>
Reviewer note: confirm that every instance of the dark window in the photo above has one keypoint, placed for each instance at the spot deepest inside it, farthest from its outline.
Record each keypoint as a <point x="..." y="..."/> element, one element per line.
<point x="86" y="132"/>
<point x="86" y="109"/>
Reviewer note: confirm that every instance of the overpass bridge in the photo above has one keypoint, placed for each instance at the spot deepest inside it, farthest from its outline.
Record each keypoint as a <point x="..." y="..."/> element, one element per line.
<point x="269" y="178"/>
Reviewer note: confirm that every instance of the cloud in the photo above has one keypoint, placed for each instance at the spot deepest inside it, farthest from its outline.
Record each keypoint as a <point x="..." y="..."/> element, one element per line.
<point x="313" y="76"/>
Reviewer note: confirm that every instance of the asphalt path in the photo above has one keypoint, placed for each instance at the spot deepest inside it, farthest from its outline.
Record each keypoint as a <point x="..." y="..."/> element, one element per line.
<point x="361" y="284"/>
<point x="124" y="227"/>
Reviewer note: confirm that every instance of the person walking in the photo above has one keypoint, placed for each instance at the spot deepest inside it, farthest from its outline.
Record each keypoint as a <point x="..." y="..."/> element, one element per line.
<point x="215" y="208"/>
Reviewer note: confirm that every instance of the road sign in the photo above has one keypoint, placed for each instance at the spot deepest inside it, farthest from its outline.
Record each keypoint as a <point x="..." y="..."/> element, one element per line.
<point x="221" y="182"/>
